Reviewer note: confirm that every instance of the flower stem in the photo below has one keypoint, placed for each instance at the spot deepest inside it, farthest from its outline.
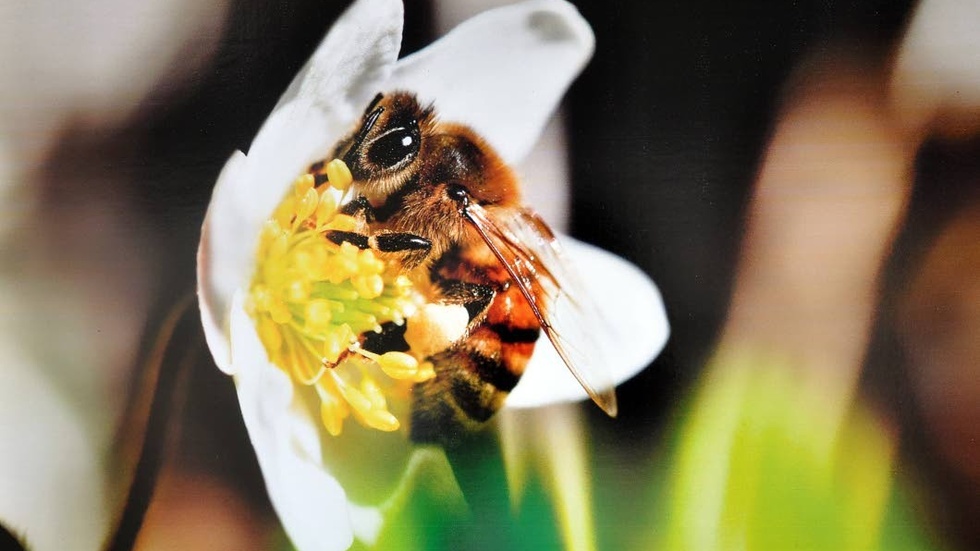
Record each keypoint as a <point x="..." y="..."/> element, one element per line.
<point x="158" y="401"/>
<point x="478" y="464"/>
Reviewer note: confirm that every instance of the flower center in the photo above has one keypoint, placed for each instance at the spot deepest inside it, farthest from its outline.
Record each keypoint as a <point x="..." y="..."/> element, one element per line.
<point x="312" y="299"/>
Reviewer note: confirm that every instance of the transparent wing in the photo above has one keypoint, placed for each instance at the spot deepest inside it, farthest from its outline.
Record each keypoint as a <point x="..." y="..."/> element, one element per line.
<point x="533" y="257"/>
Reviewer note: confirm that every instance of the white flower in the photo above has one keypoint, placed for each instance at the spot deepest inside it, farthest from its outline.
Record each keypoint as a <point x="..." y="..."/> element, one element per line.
<point x="502" y="73"/>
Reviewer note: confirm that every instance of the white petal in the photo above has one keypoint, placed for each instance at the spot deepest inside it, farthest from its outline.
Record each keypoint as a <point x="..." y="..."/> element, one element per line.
<point x="358" y="53"/>
<point x="216" y="282"/>
<point x="936" y="68"/>
<point x="502" y="72"/>
<point x="310" y="502"/>
<point x="366" y="522"/>
<point x="247" y="192"/>
<point x="315" y="112"/>
<point x="632" y="307"/>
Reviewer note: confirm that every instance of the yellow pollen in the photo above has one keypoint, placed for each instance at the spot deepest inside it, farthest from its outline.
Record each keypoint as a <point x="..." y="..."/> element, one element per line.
<point x="339" y="174"/>
<point x="312" y="299"/>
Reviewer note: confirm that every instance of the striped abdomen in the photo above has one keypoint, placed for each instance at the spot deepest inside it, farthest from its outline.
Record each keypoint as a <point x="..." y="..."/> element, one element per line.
<point x="474" y="377"/>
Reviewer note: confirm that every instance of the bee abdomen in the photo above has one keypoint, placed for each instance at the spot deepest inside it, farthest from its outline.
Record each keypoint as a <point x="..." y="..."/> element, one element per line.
<point x="515" y="335"/>
<point x="472" y="380"/>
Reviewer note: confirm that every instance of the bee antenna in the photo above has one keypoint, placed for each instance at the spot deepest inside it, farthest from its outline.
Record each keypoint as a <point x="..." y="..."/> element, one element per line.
<point x="369" y="123"/>
<point x="377" y="98"/>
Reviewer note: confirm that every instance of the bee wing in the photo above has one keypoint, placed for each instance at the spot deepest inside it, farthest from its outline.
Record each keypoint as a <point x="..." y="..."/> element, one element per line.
<point x="533" y="257"/>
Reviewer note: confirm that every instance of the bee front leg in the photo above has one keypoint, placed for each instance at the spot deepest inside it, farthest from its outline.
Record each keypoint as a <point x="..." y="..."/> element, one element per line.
<point x="359" y="207"/>
<point x="413" y="248"/>
<point x="385" y="242"/>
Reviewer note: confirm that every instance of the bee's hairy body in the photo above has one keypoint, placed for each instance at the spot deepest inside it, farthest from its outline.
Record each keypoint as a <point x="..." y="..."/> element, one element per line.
<point x="412" y="174"/>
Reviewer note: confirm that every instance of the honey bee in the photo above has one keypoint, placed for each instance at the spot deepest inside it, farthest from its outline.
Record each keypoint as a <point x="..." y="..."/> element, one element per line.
<point x="438" y="198"/>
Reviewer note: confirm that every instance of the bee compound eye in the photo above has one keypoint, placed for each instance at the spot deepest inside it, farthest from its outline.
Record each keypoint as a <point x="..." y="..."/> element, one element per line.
<point x="393" y="148"/>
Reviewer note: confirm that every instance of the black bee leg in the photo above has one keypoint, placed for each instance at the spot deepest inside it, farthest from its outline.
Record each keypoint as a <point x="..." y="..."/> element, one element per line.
<point x="359" y="240"/>
<point x="357" y="207"/>
<point x="411" y="245"/>
<point x="401" y="242"/>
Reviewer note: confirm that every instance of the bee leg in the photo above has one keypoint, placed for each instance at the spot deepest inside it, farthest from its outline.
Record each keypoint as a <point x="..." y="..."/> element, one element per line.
<point x="401" y="242"/>
<point x="359" y="240"/>
<point x="386" y="242"/>
<point x="358" y="207"/>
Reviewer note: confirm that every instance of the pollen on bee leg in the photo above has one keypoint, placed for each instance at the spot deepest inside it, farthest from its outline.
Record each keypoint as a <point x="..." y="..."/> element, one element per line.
<point x="435" y="327"/>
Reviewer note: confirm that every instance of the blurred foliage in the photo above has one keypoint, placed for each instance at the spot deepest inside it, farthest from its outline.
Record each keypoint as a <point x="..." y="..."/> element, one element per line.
<point x="427" y="511"/>
<point x="757" y="464"/>
<point x="425" y="506"/>
<point x="754" y="463"/>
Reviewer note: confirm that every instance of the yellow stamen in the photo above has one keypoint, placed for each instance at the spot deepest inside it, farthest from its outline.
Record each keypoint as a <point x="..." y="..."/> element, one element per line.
<point x="333" y="411"/>
<point x="397" y="365"/>
<point x="373" y="393"/>
<point x="343" y="222"/>
<point x="311" y="300"/>
<point x="426" y="371"/>
<point x="303" y="184"/>
<point x="368" y="286"/>
<point x="339" y="174"/>
<point x="370" y="414"/>
<point x="269" y="335"/>
<point x="307" y="205"/>
<point x="326" y="207"/>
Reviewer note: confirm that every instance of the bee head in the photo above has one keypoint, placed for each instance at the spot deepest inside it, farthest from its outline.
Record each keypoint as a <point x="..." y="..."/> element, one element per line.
<point x="383" y="151"/>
